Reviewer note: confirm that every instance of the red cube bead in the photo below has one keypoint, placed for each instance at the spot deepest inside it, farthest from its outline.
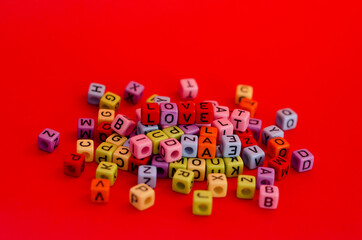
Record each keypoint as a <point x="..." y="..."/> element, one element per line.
<point x="281" y="167"/>
<point x="204" y="113"/>
<point x="134" y="163"/>
<point x="150" y="114"/>
<point x="186" y="113"/>
<point x="74" y="165"/>
<point x="104" y="130"/>
<point x="247" y="133"/>
<point x="247" y="141"/>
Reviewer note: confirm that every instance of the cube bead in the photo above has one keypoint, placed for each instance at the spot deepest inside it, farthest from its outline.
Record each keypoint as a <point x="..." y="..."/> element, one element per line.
<point x="121" y="157"/>
<point x="151" y="98"/>
<point x="188" y="89"/>
<point x="206" y="147"/>
<point x="104" y="130"/>
<point x="208" y="132"/>
<point x="162" y="166"/>
<point x="140" y="146"/>
<point x="138" y="114"/>
<point x="224" y="127"/>
<point x="255" y="127"/>
<point x="161" y="99"/>
<point x="86" y="148"/>
<point x="74" y="165"/>
<point x="204" y="113"/>
<point x="190" y="129"/>
<point x="233" y="166"/>
<point x="173" y="132"/>
<point x="215" y="165"/>
<point x="156" y="137"/>
<point x="217" y="184"/>
<point x="281" y="167"/>
<point x="245" y="187"/>
<point x="243" y="91"/>
<point x="286" y="119"/>
<point x="144" y="129"/>
<point x="170" y="150"/>
<point x="249" y="105"/>
<point x="221" y="112"/>
<point x="174" y="166"/>
<point x="302" y="160"/>
<point x="268" y="197"/>
<point x="270" y="133"/>
<point x="110" y="101"/>
<point x="105" y="115"/>
<point x="230" y="145"/>
<point x="95" y="93"/>
<point x="107" y="170"/>
<point x="186" y="113"/>
<point x="198" y="166"/>
<point x="202" y="203"/>
<point x="100" y="189"/>
<point x="265" y="176"/>
<point x="133" y="92"/>
<point x="150" y="114"/>
<point x="116" y="139"/>
<point x="253" y="157"/>
<point x="147" y="174"/>
<point x="278" y="147"/>
<point x="142" y="196"/>
<point x="85" y="128"/>
<point x="189" y="145"/>
<point x="48" y="140"/>
<point x="169" y="114"/>
<point x="240" y="119"/>
<point x="104" y="152"/>
<point x="183" y="181"/>
<point x="123" y="125"/>
<point x="135" y="163"/>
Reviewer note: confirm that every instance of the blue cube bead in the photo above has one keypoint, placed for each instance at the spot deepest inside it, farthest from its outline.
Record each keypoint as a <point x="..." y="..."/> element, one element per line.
<point x="230" y="145"/>
<point x="95" y="93"/>
<point x="286" y="119"/>
<point x="253" y="157"/>
<point x="147" y="174"/>
<point x="144" y="129"/>
<point x="270" y="133"/>
<point x="189" y="145"/>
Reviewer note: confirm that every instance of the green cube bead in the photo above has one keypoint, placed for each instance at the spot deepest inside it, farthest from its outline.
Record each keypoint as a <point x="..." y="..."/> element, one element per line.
<point x="245" y="187"/>
<point x="156" y="137"/>
<point x="182" y="181"/>
<point x="173" y="166"/>
<point x="104" y="152"/>
<point x="233" y="166"/>
<point x="215" y="165"/>
<point x="173" y="132"/>
<point x="107" y="170"/>
<point x="202" y="203"/>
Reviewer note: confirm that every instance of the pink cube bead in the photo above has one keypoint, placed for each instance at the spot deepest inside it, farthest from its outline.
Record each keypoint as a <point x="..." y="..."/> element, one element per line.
<point x="140" y="146"/>
<point x="302" y="160"/>
<point x="170" y="150"/>
<point x="188" y="89"/>
<point x="190" y="129"/>
<point x="169" y="114"/>
<point x="86" y="128"/>
<point x="255" y="127"/>
<point x="133" y="92"/>
<point x="240" y="119"/>
<point x="224" y="127"/>
<point x="48" y="140"/>
<point x="123" y="125"/>
<point x="138" y="114"/>
<point x="203" y="124"/>
<point x="221" y="112"/>
<point x="268" y="197"/>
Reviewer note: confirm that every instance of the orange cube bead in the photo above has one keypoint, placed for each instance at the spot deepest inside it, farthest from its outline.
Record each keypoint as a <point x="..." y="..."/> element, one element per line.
<point x="207" y="147"/>
<point x="249" y="105"/>
<point x="100" y="190"/>
<point x="208" y="132"/>
<point x="278" y="147"/>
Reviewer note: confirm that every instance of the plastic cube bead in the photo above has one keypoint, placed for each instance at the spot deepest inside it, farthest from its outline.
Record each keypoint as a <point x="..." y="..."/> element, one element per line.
<point x="208" y="132"/>
<point x="281" y="167"/>
<point x="142" y="196"/>
<point x="144" y="129"/>
<point x="286" y="119"/>
<point x="188" y="89"/>
<point x="268" y="197"/>
<point x="204" y="113"/>
<point x="265" y="176"/>
<point x="213" y="102"/>
<point x="245" y="187"/>
<point x="174" y="166"/>
<point x="105" y="115"/>
<point x="278" y="147"/>
<point x="150" y="114"/>
<point x="116" y="139"/>
<point x="302" y="160"/>
<point x="215" y="165"/>
<point x="161" y="99"/>
<point x="140" y="146"/>
<point x="203" y="125"/>
<point x="95" y="93"/>
<point x="182" y="181"/>
<point x="253" y="157"/>
<point x="74" y="165"/>
<point x="169" y="114"/>
<point x="233" y="166"/>
<point x="218" y="152"/>
<point x="206" y="147"/>
<point x="133" y="92"/>
<point x="270" y="133"/>
<point x="246" y="133"/>
<point x="223" y="126"/>
<point x="173" y="132"/>
<point x="121" y="157"/>
<point x="217" y="184"/>
<point x="107" y="170"/>
<point x="247" y="141"/>
<point x="255" y="127"/>
<point x="161" y="165"/>
<point x="123" y="125"/>
<point x="198" y="166"/>
<point x="103" y="131"/>
<point x="151" y="98"/>
<point x="126" y="143"/>
<point x="86" y="148"/>
<point x="104" y="152"/>
<point x="221" y="112"/>
<point x="85" y="128"/>
<point x="186" y="113"/>
<point x="230" y="145"/>
<point x="170" y="150"/>
<point x="240" y="119"/>
<point x="243" y="91"/>
<point x="189" y="145"/>
<point x="48" y="140"/>
<point x="156" y="137"/>
<point x="202" y="203"/>
<point x="135" y="163"/>
<point x="110" y="101"/>
<point x="249" y="105"/>
<point x="100" y="189"/>
<point x="147" y="174"/>
<point x="190" y="129"/>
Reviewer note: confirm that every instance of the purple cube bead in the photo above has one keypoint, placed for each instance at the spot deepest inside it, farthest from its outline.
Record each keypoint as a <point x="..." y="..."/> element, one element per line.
<point x="265" y="176"/>
<point x="255" y="127"/>
<point x="169" y="114"/>
<point x="302" y="160"/>
<point x="48" y="140"/>
<point x="85" y="128"/>
<point x="95" y="93"/>
<point x="190" y="129"/>
<point x="162" y="166"/>
<point x="133" y="92"/>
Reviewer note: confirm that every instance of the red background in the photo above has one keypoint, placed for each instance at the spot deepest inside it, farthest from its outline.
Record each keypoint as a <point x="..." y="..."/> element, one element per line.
<point x="305" y="55"/>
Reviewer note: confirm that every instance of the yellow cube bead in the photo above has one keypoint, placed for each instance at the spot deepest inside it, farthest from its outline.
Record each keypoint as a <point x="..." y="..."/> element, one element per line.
<point x="107" y="170"/>
<point x="86" y="147"/>
<point x="197" y="165"/>
<point x="245" y="187"/>
<point x="217" y="184"/>
<point x="182" y="181"/>
<point x="202" y="203"/>
<point x="215" y="165"/>
<point x="173" y="166"/>
<point x="110" y="101"/>
<point x="104" y="152"/>
<point x="151" y="98"/>
<point x="105" y="115"/>
<point x="173" y="132"/>
<point x="142" y="196"/>
<point x="243" y="91"/>
<point x="156" y="137"/>
<point x="233" y="166"/>
<point x="116" y="139"/>
<point x="121" y="157"/>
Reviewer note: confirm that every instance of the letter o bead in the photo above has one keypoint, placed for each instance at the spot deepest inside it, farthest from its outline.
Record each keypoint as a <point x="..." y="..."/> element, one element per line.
<point x="268" y="197"/>
<point x="286" y="119"/>
<point x="170" y="150"/>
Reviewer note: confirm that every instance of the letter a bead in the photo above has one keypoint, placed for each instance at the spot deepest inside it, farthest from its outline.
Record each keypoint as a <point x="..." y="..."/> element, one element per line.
<point x="188" y="89"/>
<point x="142" y="196"/>
<point x="183" y="181"/>
<point x="265" y="176"/>
<point x="100" y="190"/>
<point x="202" y="203"/>
<point x="268" y="197"/>
<point x="48" y="140"/>
<point x="302" y="160"/>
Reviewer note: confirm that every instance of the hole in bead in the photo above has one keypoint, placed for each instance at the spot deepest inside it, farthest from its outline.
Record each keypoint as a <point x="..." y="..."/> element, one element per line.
<point x="175" y="154"/>
<point x="246" y="191"/>
<point x="265" y="182"/>
<point x="189" y="150"/>
<point x="148" y="200"/>
<point x="180" y="185"/>
<point x="43" y="144"/>
<point x="145" y="150"/>
<point x="203" y="207"/>
<point x="160" y="171"/>
<point x="218" y="190"/>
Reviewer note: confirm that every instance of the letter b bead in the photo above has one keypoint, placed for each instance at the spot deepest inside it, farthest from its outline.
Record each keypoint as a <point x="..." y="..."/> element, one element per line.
<point x="268" y="197"/>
